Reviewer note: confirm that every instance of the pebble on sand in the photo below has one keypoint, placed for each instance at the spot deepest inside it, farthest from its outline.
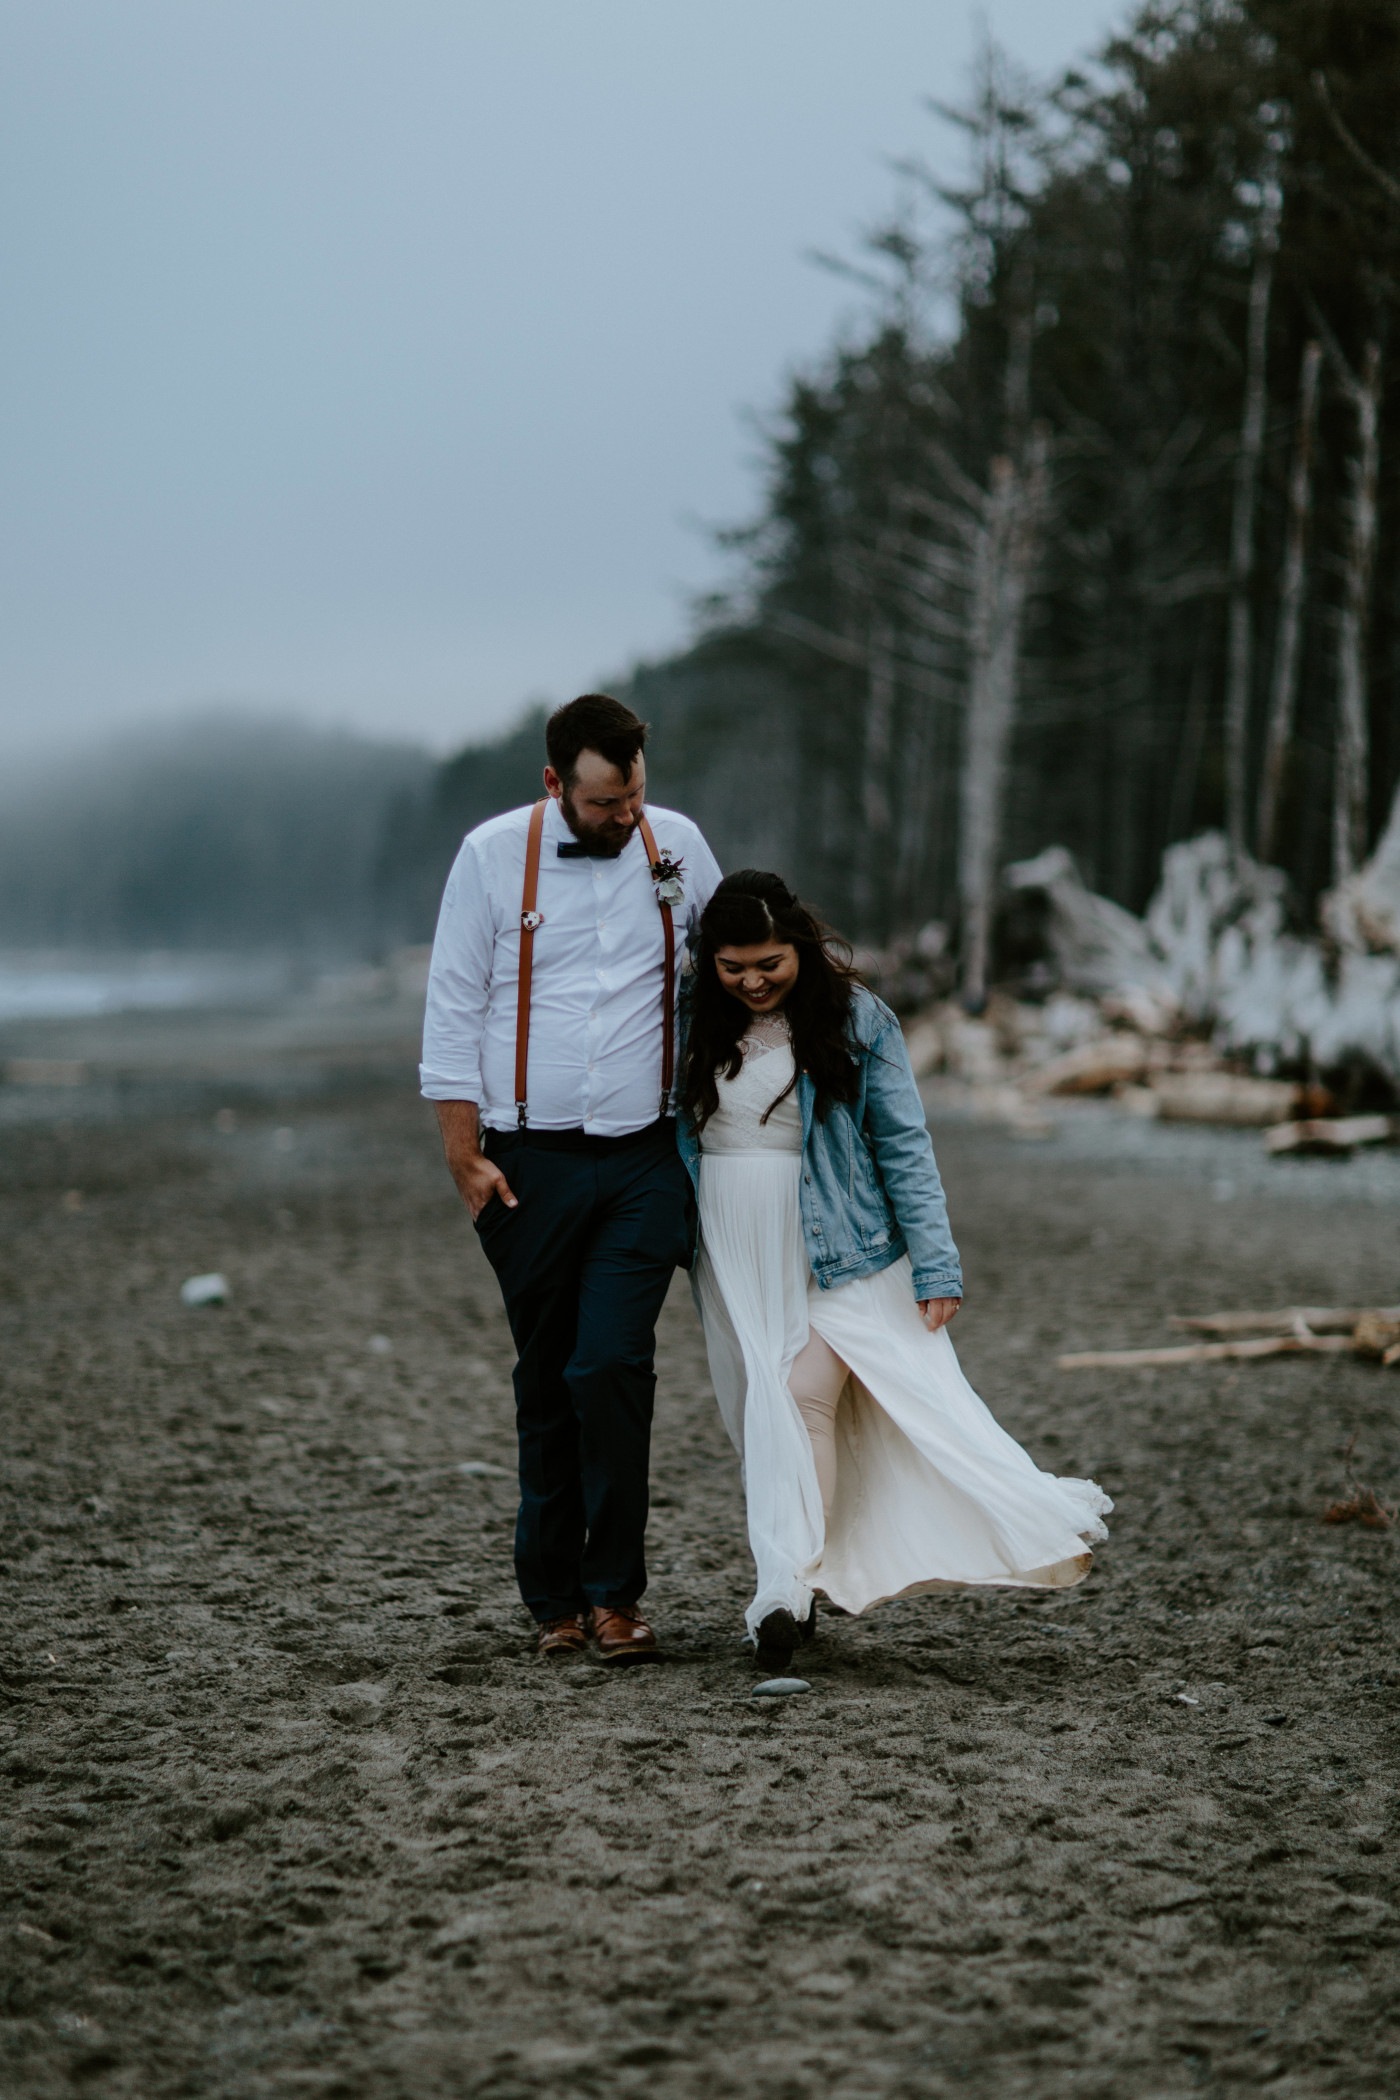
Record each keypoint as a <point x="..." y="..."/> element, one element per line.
<point x="780" y="1687"/>
<point x="483" y="1466"/>
<point x="205" y="1290"/>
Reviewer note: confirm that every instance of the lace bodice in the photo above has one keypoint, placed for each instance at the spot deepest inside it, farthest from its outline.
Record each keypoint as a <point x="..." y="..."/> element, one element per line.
<point x="737" y="1124"/>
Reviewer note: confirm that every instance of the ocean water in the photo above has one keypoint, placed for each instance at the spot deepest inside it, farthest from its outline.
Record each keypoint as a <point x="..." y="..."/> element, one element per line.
<point x="68" y="987"/>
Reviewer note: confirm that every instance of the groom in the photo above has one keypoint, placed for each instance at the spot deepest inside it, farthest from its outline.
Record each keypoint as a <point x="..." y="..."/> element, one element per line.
<point x="547" y="1047"/>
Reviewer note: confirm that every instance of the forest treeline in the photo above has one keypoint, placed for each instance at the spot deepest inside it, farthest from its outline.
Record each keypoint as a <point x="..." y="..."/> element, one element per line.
<point x="1111" y="557"/>
<point x="227" y="832"/>
<point x="1087" y="534"/>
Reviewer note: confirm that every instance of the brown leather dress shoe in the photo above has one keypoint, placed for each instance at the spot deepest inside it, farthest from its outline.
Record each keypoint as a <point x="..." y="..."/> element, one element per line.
<point x="560" y="1638"/>
<point x="623" y="1635"/>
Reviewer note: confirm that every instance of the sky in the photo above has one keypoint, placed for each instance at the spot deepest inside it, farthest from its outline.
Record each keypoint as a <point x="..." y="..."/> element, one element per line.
<point x="390" y="362"/>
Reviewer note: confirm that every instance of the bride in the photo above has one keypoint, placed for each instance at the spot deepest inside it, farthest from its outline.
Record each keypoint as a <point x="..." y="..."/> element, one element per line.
<point x="826" y="1279"/>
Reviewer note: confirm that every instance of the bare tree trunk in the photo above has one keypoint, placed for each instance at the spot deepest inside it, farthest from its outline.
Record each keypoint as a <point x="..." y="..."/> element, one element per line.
<point x="1005" y="558"/>
<point x="1351" y="767"/>
<point x="873" y="858"/>
<point x="1193" y="733"/>
<point x="1283" y="697"/>
<point x="1241" y="648"/>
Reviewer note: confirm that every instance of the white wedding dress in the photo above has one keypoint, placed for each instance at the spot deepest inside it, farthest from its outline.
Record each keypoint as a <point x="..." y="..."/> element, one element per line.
<point x="930" y="1490"/>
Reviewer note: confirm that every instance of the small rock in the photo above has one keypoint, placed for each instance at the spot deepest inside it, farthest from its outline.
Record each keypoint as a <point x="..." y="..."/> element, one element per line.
<point x="472" y="1925"/>
<point x="205" y="1290"/>
<point x="231" y="1819"/>
<point x="780" y="1687"/>
<point x="482" y="1466"/>
<point x="356" y="1702"/>
<point x="823" y="1983"/>
<point x="380" y="1345"/>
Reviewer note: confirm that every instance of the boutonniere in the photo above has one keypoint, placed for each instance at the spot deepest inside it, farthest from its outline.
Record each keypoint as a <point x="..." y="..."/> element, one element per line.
<point x="668" y="875"/>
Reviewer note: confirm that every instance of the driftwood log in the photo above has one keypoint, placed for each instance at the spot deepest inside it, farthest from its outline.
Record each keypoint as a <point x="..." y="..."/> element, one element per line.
<point x="1289" y="1319"/>
<point x="1332" y="1134"/>
<point x="1203" y="1352"/>
<point x="1295" y="1330"/>
<point x="1223" y="1097"/>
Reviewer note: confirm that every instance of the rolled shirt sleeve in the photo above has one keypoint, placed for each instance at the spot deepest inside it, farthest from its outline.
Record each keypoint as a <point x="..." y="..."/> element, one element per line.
<point x="459" y="984"/>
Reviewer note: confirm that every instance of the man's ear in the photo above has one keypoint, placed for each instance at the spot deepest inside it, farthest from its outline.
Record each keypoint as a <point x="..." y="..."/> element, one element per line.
<point x="553" y="785"/>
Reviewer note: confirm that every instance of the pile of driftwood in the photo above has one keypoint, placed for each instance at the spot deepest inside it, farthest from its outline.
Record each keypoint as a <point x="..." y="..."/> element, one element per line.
<point x="1371" y="1331"/>
<point x="1200" y="1011"/>
<point x="1018" y="1056"/>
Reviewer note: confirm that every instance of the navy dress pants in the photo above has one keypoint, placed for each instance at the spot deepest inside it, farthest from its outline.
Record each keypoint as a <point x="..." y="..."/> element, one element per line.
<point x="584" y="1265"/>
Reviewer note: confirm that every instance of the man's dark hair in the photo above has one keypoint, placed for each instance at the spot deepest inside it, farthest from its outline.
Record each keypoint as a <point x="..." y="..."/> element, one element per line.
<point x="593" y="722"/>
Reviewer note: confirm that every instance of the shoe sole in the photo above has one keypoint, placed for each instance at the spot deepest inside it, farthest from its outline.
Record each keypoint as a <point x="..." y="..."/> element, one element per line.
<point x="619" y="1658"/>
<point x="777" y="1639"/>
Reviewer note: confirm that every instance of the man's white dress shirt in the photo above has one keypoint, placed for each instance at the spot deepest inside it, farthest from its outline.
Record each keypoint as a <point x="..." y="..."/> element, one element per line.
<point x="596" y="986"/>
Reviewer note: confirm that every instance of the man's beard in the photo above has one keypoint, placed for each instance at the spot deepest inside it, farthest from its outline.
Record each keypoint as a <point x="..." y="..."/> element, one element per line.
<point x="599" y="841"/>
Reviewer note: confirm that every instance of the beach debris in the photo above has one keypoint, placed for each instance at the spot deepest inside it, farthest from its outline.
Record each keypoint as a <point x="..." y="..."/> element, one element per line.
<point x="1288" y="1319"/>
<point x="1371" y="1332"/>
<point x="1376" y="1336"/>
<point x="1095" y="945"/>
<point x="205" y="1290"/>
<point x="1209" y="1009"/>
<point x="1203" y="1352"/>
<point x="1358" y="1504"/>
<point x="1337" y="1136"/>
<point x="484" y="1468"/>
<point x="1364" y="1506"/>
<point x="1223" y="1097"/>
<point x="780" y="1687"/>
<point x="1092" y="1068"/>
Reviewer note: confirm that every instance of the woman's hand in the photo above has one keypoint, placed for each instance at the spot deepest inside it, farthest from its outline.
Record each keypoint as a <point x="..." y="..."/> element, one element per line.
<point x="937" y="1312"/>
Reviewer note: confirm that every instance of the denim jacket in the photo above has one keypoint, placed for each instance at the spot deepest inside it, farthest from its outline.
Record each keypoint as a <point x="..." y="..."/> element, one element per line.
<point x="870" y="1186"/>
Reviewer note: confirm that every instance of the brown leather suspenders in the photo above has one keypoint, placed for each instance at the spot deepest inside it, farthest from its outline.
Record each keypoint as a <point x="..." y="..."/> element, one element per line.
<point x="530" y="919"/>
<point x="668" y="997"/>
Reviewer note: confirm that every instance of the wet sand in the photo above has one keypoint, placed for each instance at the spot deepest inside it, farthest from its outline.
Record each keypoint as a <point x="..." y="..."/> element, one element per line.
<point x="292" y="1809"/>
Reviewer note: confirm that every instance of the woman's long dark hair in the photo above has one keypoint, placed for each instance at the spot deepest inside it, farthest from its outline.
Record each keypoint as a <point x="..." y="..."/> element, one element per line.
<point x="746" y="909"/>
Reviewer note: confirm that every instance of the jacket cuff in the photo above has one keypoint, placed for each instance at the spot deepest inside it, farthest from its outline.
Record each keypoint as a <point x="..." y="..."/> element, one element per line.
<point x="936" y="1286"/>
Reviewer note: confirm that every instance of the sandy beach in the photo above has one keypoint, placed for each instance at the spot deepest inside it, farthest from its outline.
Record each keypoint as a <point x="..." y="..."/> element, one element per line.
<point x="293" y="1809"/>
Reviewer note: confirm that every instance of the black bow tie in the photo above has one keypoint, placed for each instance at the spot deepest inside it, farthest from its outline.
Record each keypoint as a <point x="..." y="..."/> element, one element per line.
<point x="571" y="849"/>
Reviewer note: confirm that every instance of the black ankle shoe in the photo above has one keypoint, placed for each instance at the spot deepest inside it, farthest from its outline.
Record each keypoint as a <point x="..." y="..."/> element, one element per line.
<point x="777" y="1637"/>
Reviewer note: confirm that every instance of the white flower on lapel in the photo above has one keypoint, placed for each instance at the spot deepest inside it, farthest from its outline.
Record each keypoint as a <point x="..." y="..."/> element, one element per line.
<point x="668" y="875"/>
